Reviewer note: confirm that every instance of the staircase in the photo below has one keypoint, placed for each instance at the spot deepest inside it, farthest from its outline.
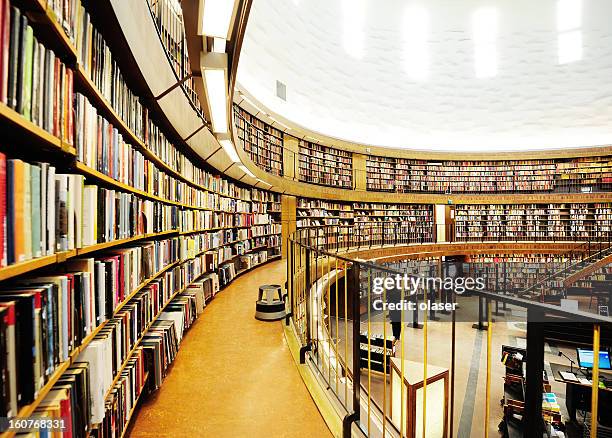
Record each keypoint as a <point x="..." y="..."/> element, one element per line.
<point x="581" y="261"/>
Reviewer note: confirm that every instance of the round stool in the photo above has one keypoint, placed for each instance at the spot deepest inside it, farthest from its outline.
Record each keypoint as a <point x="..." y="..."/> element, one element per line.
<point x="270" y="305"/>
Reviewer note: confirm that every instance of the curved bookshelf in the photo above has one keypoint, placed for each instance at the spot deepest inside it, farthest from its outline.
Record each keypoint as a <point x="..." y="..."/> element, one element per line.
<point x="574" y="172"/>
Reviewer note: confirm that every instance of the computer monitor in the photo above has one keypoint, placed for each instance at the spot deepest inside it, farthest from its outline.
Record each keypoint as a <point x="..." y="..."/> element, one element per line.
<point x="585" y="359"/>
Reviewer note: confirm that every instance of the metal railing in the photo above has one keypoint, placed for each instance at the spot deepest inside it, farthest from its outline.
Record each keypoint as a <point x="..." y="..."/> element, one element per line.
<point x="168" y="18"/>
<point x="365" y="356"/>
<point x="579" y="257"/>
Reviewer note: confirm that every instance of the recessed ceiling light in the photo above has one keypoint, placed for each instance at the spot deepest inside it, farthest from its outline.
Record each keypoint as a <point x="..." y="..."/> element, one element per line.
<point x="569" y="15"/>
<point x="484" y="23"/>
<point x="247" y="171"/>
<point x="353" y="35"/>
<point x="230" y="150"/>
<point x="570" y="47"/>
<point x="217" y="17"/>
<point x="416" y="34"/>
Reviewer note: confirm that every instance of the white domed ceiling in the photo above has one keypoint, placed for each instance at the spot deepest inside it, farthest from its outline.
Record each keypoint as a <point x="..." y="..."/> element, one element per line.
<point x="436" y="74"/>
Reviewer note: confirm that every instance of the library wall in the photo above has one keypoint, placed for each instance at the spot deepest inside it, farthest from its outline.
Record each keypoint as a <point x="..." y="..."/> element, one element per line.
<point x="113" y="232"/>
<point x="588" y="171"/>
<point x="335" y="225"/>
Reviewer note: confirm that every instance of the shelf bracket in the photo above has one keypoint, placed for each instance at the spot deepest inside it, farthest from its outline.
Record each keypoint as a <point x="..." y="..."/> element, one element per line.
<point x="194" y="132"/>
<point x="173" y="87"/>
<point x="212" y="153"/>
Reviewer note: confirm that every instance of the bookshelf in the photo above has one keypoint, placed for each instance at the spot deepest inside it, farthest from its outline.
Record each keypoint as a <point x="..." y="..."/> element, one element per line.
<point x="324" y="165"/>
<point x="263" y="143"/>
<point x="116" y="184"/>
<point x="533" y="222"/>
<point x="343" y="224"/>
<point x="573" y="175"/>
<point x="381" y="174"/>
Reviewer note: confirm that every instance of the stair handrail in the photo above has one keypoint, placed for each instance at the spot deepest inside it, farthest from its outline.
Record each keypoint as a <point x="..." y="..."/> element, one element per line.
<point x="571" y="255"/>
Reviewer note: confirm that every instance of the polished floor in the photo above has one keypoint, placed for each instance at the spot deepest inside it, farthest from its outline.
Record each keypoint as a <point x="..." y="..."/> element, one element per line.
<point x="234" y="376"/>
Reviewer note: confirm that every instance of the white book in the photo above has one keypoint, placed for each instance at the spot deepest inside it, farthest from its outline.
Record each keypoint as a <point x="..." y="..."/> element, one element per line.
<point x="94" y="355"/>
<point x="90" y="215"/>
<point x="44" y="170"/>
<point x="27" y="216"/>
<point x="79" y="181"/>
<point x="100" y="292"/>
<point x="39" y="372"/>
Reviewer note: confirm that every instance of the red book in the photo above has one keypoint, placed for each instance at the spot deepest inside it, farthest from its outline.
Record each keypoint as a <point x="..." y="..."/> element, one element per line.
<point x="111" y="150"/>
<point x="66" y="412"/>
<point x="70" y="105"/>
<point x="56" y="98"/>
<point x="3" y="254"/>
<point x="5" y="30"/>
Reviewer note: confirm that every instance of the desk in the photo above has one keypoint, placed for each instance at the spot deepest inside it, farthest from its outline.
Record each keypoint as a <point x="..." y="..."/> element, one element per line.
<point x="578" y="395"/>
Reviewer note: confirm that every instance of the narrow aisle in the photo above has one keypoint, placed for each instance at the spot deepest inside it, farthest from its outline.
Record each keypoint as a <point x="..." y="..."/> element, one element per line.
<point x="234" y="376"/>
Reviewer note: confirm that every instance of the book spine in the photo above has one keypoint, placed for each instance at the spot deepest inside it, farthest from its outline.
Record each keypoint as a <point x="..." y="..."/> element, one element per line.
<point x="26" y="85"/>
<point x="35" y="211"/>
<point x="13" y="59"/>
<point x="3" y="202"/>
<point x="5" y="32"/>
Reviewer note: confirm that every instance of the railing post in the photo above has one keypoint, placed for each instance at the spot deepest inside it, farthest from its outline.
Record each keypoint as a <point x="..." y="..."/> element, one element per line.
<point x="290" y="273"/>
<point x="356" y="368"/>
<point x="308" y="345"/>
<point x="480" y="325"/>
<point x="535" y="367"/>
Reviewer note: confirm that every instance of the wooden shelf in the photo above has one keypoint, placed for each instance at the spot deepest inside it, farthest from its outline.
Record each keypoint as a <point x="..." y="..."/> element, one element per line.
<point x="134" y="406"/>
<point x="92" y="173"/>
<point x="19" y="122"/>
<point x="60" y="257"/>
<point x="28" y="410"/>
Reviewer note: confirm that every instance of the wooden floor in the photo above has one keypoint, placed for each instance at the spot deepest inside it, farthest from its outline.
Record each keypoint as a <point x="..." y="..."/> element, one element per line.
<point x="234" y="376"/>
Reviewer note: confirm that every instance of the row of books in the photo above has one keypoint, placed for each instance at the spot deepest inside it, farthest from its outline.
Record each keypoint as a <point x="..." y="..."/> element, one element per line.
<point x="44" y="212"/>
<point x="404" y="175"/>
<point x="35" y="83"/>
<point x="249" y="261"/>
<point x="532" y="221"/>
<point x="91" y="293"/>
<point x="49" y="316"/>
<point x="169" y="22"/>
<point x="262" y="142"/>
<point x="511" y="273"/>
<point x="97" y="395"/>
<point x="100" y="146"/>
<point x="101" y="67"/>
<point x="258" y="195"/>
<point x="33" y="80"/>
<point x="325" y="165"/>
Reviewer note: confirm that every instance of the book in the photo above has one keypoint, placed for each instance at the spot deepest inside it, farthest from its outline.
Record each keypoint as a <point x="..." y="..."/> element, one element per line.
<point x="28" y="49"/>
<point x="9" y="349"/>
<point x="13" y="57"/>
<point x="35" y="211"/>
<point x="3" y="210"/>
<point x="5" y="32"/>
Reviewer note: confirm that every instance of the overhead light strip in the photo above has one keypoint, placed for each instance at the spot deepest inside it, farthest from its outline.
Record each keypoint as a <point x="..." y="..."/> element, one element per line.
<point x="216" y="17"/>
<point x="230" y="150"/>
